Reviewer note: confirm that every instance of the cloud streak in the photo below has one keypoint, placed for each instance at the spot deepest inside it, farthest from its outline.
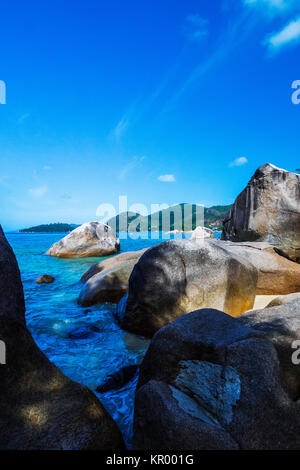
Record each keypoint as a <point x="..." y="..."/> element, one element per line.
<point x="288" y="35"/>
<point x="38" y="191"/>
<point x="196" y="27"/>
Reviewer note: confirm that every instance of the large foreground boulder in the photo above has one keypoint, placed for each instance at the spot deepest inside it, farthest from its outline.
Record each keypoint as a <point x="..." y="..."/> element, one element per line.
<point x="281" y="325"/>
<point x="40" y="408"/>
<point x="107" y="281"/>
<point x="210" y="383"/>
<point x="268" y="209"/>
<point x="178" y="276"/>
<point x="90" y="239"/>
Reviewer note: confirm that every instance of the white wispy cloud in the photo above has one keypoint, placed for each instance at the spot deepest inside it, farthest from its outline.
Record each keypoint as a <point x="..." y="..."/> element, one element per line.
<point x="277" y="4"/>
<point x="131" y="165"/>
<point x="167" y="178"/>
<point x="288" y="35"/>
<point x="39" y="191"/>
<point x="120" y="128"/>
<point x="23" y="118"/>
<point x="47" y="168"/>
<point x="238" y="162"/>
<point x="196" y="27"/>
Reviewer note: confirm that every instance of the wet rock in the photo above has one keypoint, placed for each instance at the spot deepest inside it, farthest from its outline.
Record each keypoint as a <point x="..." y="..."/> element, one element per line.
<point x="119" y="379"/>
<point x="83" y="332"/>
<point x="45" y="279"/>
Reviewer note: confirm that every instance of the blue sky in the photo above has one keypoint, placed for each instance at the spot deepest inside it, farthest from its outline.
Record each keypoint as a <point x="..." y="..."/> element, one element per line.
<point x="162" y="101"/>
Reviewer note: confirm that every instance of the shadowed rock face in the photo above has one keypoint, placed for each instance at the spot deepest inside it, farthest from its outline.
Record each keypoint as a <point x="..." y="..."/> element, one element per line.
<point x="175" y="277"/>
<point x="208" y="382"/>
<point x="128" y="256"/>
<point x="281" y="325"/>
<point x="268" y="209"/>
<point x="90" y="239"/>
<point x="107" y="281"/>
<point x="40" y="408"/>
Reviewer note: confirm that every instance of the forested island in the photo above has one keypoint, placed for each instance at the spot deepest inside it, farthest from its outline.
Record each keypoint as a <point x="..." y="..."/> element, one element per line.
<point x="50" y="228"/>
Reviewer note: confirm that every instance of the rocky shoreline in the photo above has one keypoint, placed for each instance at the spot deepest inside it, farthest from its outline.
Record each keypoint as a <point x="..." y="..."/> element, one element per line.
<point x="219" y="370"/>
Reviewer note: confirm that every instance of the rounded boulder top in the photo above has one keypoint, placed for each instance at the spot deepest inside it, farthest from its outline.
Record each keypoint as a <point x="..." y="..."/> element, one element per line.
<point x="90" y="239"/>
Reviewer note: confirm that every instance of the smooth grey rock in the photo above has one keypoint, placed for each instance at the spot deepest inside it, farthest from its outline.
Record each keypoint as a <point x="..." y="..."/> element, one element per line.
<point x="268" y="209"/>
<point x="219" y="382"/>
<point x="178" y="276"/>
<point x="284" y="299"/>
<point x="280" y="325"/>
<point x="90" y="239"/>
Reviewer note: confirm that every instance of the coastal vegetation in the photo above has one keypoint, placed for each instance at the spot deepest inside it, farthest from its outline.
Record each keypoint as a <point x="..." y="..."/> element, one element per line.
<point x="50" y="228"/>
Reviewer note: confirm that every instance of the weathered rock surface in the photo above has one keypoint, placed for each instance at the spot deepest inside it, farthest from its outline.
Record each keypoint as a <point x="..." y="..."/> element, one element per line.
<point x="276" y="274"/>
<point x="175" y="277"/>
<point x="109" y="262"/>
<point x="284" y="299"/>
<point x="268" y="209"/>
<point x="207" y="383"/>
<point x="119" y="379"/>
<point x="201" y="232"/>
<point x="45" y="279"/>
<point x="281" y="325"/>
<point x="90" y="239"/>
<point x="107" y="281"/>
<point x="40" y="408"/>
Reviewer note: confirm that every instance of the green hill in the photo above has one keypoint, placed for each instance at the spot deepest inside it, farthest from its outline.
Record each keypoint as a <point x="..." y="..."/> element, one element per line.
<point x="50" y="228"/>
<point x="180" y="217"/>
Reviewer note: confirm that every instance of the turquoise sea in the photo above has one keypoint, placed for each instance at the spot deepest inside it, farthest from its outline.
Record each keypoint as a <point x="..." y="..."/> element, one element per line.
<point x="87" y="344"/>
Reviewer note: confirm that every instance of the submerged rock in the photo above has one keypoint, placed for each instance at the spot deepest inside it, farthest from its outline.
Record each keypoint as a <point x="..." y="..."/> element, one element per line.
<point x="175" y="277"/>
<point x="83" y="332"/>
<point x="268" y="209"/>
<point x="45" y="279"/>
<point x="40" y="408"/>
<point x="209" y="382"/>
<point x="90" y="239"/>
<point x="119" y="379"/>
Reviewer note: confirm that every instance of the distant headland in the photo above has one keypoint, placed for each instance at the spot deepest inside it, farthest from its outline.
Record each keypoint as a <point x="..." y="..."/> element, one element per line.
<point x="213" y="218"/>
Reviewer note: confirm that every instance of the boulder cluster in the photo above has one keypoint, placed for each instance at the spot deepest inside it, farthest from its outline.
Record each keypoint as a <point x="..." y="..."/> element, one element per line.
<point x="219" y="373"/>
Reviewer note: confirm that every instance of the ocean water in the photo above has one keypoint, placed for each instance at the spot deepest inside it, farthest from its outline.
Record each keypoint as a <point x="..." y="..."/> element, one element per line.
<point x="57" y="322"/>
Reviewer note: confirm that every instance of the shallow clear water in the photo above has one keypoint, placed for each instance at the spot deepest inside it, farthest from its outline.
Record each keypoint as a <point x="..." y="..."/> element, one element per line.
<point x="52" y="313"/>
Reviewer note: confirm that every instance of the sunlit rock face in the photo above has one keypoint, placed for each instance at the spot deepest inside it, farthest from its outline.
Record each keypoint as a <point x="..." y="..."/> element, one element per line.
<point x="90" y="239"/>
<point x="209" y="382"/>
<point x="179" y="276"/>
<point x="268" y="209"/>
<point x="40" y="408"/>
